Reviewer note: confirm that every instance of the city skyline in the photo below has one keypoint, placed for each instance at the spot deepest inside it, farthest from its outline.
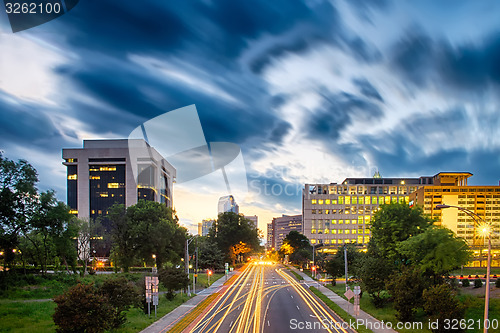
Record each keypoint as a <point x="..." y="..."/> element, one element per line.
<point x="312" y="92"/>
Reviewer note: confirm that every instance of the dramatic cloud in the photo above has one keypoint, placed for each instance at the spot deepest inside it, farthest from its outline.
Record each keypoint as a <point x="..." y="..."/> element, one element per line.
<point x="312" y="91"/>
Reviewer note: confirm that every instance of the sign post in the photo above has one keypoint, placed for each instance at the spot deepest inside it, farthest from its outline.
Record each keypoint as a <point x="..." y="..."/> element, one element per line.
<point x="357" y="293"/>
<point x="151" y="292"/>
<point x="226" y="269"/>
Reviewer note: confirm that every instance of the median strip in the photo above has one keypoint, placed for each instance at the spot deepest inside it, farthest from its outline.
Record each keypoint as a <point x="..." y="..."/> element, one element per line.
<point x="193" y="314"/>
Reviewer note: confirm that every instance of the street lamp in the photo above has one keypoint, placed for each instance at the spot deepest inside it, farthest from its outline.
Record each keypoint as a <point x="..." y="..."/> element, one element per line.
<point x="485" y="230"/>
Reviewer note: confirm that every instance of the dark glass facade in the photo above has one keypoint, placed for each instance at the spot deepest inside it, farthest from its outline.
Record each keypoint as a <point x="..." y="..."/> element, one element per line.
<point x="72" y="187"/>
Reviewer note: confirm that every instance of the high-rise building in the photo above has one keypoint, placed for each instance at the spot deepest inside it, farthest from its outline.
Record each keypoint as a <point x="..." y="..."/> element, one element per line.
<point x="254" y="219"/>
<point x="335" y="214"/>
<point x="280" y="227"/>
<point x="204" y="227"/>
<point x="270" y="232"/>
<point x="227" y="204"/>
<point x="105" y="172"/>
<point x="451" y="188"/>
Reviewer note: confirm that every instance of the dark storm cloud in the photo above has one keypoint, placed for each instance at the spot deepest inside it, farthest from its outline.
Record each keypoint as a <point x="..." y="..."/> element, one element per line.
<point x="337" y="112"/>
<point x="24" y="123"/>
<point x="279" y="132"/>
<point x="367" y="89"/>
<point x="421" y="60"/>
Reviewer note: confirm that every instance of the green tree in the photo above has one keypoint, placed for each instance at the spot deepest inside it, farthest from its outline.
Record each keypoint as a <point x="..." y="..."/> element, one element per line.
<point x="395" y="223"/>
<point x="297" y="247"/>
<point x="229" y="230"/>
<point x="336" y="266"/>
<point x="406" y="288"/>
<point x="173" y="279"/>
<point x="17" y="195"/>
<point x="436" y="251"/>
<point x="440" y="303"/>
<point x="146" y="229"/>
<point x="209" y="255"/>
<point x="373" y="272"/>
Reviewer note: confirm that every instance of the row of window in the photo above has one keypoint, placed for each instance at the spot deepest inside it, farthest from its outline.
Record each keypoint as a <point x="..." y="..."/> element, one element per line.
<point x="340" y="231"/>
<point x="360" y="220"/>
<point x="359" y="240"/>
<point x="355" y="200"/>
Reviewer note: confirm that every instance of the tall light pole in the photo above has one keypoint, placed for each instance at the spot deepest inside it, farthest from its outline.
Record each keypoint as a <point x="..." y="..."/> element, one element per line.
<point x="186" y="260"/>
<point x="485" y="229"/>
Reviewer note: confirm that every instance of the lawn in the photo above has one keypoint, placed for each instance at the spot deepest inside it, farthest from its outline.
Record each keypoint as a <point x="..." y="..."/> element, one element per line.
<point x="26" y="317"/>
<point x="474" y="304"/>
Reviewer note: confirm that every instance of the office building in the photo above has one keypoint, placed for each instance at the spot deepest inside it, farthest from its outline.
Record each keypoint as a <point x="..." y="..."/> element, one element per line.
<point x="451" y="188"/>
<point x="335" y="214"/>
<point x="280" y="227"/>
<point x="269" y="241"/>
<point x="106" y="172"/>
<point x="254" y="219"/>
<point x="204" y="227"/>
<point x="227" y="204"/>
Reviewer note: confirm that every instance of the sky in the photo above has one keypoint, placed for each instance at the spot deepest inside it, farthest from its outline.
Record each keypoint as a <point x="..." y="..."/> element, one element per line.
<point x="311" y="91"/>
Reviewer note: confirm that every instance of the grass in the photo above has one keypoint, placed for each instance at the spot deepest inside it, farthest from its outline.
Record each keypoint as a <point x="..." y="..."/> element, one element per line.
<point x="339" y="311"/>
<point x="297" y="276"/>
<point x="27" y="317"/>
<point x="137" y="320"/>
<point x="202" y="281"/>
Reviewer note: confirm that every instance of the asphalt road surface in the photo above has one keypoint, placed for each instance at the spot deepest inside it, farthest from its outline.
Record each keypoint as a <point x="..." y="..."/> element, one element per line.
<point x="266" y="298"/>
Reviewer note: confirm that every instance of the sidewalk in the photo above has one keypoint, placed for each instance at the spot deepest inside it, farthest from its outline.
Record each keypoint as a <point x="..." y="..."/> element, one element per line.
<point x="370" y="321"/>
<point x="167" y="321"/>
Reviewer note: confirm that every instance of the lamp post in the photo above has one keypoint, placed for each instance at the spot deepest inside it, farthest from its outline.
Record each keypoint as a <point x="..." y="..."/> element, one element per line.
<point x="486" y="229"/>
<point x="186" y="260"/>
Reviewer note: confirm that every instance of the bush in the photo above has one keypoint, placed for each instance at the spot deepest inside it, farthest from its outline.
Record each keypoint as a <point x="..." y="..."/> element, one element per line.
<point x="121" y="295"/>
<point x="440" y="304"/>
<point x="82" y="309"/>
<point x="465" y="283"/>
<point x="478" y="283"/>
<point x="497" y="283"/>
<point x="173" y="279"/>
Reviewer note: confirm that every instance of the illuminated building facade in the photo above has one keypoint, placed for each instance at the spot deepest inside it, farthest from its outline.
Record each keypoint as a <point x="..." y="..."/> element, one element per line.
<point x="335" y="214"/>
<point x="281" y="227"/>
<point x="254" y="219"/>
<point x="105" y="172"/>
<point x="451" y="188"/>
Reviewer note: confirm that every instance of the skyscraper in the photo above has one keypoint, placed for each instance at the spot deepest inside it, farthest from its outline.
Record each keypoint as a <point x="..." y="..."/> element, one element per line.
<point x="227" y="204"/>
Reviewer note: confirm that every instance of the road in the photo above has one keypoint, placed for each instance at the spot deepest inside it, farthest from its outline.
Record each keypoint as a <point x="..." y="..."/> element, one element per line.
<point x="266" y="298"/>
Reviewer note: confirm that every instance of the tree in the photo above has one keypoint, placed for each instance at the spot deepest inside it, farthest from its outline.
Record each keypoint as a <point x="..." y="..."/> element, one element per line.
<point x="231" y="229"/>
<point x="297" y="247"/>
<point x="146" y="229"/>
<point x="373" y="272"/>
<point x="17" y="193"/>
<point x="173" y="279"/>
<point x="336" y="266"/>
<point x="82" y="309"/>
<point x="209" y="255"/>
<point x="395" y="223"/>
<point x="436" y="251"/>
<point x="88" y="228"/>
<point x="406" y="288"/>
<point x="440" y="303"/>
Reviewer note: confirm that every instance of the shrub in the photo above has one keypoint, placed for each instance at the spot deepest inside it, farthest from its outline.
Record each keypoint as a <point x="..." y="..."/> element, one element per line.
<point x="497" y="283"/>
<point x="82" y="309"/>
<point x="478" y="283"/>
<point x="440" y="304"/>
<point x="465" y="283"/>
<point x="121" y="295"/>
